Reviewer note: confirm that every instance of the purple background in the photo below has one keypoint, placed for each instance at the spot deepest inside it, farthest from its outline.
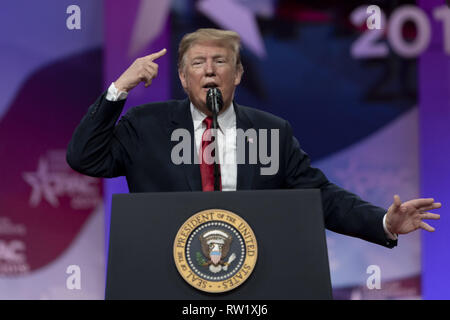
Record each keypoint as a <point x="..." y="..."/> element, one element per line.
<point x="434" y="95"/>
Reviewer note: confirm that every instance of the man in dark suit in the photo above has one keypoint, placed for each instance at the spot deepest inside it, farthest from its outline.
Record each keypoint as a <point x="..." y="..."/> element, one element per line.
<point x="141" y="145"/>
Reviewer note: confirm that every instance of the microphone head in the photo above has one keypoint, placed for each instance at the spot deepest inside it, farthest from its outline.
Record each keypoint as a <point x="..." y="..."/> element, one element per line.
<point x="214" y="100"/>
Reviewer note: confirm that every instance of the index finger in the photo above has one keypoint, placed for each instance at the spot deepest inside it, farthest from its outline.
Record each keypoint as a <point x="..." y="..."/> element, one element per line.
<point x="421" y="202"/>
<point x="435" y="205"/>
<point x="157" y="55"/>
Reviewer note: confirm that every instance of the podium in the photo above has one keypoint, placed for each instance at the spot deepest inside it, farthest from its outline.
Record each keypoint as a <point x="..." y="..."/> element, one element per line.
<point x="292" y="260"/>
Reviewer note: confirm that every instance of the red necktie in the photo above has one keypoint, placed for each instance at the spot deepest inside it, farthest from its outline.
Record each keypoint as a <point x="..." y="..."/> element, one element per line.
<point x="207" y="158"/>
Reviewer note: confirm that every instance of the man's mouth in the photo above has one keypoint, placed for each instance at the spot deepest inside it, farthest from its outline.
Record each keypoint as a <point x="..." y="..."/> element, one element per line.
<point x="210" y="85"/>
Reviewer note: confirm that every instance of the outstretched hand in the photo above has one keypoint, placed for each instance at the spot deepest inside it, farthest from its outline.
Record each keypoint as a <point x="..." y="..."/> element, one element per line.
<point x="406" y="217"/>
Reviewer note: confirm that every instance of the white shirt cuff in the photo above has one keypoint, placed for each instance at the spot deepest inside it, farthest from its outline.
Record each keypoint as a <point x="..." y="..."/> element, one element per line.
<point x="390" y="235"/>
<point x="114" y="95"/>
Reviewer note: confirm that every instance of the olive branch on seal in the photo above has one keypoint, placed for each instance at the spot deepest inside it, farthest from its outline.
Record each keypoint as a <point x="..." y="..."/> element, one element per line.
<point x="200" y="259"/>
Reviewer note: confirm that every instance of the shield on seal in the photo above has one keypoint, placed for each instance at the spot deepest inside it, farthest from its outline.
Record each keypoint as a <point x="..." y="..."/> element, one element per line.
<point x="215" y="256"/>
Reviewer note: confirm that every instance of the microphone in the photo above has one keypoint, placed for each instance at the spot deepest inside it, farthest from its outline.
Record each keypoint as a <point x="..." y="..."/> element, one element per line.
<point x="214" y="103"/>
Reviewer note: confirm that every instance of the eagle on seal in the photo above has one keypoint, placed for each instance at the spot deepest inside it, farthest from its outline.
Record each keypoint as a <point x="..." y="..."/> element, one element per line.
<point x="215" y="247"/>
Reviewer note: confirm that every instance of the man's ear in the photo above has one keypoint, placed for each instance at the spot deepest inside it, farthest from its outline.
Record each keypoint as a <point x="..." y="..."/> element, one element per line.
<point x="238" y="76"/>
<point x="182" y="77"/>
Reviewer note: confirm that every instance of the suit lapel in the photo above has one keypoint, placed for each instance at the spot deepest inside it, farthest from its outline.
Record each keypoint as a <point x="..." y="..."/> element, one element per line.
<point x="245" y="171"/>
<point x="181" y="118"/>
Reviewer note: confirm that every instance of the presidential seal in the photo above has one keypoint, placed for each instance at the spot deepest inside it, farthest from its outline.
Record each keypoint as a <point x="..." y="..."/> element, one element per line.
<point x="215" y="250"/>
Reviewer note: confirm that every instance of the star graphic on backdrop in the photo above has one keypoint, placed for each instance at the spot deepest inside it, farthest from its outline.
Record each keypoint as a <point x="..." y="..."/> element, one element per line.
<point x="232" y="15"/>
<point x="150" y="19"/>
<point x="40" y="182"/>
<point x="228" y="14"/>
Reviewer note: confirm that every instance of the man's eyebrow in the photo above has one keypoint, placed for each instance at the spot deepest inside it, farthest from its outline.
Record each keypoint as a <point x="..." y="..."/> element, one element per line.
<point x="202" y="57"/>
<point x="199" y="57"/>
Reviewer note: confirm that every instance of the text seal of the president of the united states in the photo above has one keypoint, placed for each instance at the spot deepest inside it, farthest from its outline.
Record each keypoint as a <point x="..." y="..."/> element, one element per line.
<point x="215" y="250"/>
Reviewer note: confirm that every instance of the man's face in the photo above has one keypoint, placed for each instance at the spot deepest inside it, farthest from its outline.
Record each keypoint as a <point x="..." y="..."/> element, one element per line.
<point x="209" y="65"/>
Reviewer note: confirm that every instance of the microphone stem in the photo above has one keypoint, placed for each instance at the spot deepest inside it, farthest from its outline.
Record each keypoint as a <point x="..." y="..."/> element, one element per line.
<point x="214" y="103"/>
<point x="216" y="151"/>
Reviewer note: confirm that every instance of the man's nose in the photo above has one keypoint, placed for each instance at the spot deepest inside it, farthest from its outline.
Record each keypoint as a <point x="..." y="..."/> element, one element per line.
<point x="209" y="68"/>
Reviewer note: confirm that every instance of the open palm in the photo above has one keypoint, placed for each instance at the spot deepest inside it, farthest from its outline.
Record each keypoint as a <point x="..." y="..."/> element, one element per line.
<point x="408" y="216"/>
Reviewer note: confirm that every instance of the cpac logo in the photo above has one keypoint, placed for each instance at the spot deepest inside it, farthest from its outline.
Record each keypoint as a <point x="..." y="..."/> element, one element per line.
<point x="12" y="251"/>
<point x="53" y="179"/>
<point x="13" y="258"/>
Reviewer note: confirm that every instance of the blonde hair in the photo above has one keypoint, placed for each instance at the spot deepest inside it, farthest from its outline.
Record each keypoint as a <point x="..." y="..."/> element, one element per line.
<point x="225" y="38"/>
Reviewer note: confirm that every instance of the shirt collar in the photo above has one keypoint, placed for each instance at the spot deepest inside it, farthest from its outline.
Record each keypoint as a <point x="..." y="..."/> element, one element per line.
<point x="226" y="119"/>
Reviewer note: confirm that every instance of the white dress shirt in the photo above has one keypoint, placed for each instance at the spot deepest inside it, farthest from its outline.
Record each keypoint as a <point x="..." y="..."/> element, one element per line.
<point x="226" y="142"/>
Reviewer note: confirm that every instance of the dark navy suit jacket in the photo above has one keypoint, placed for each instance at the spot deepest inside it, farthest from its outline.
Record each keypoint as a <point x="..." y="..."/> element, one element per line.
<point x="139" y="147"/>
